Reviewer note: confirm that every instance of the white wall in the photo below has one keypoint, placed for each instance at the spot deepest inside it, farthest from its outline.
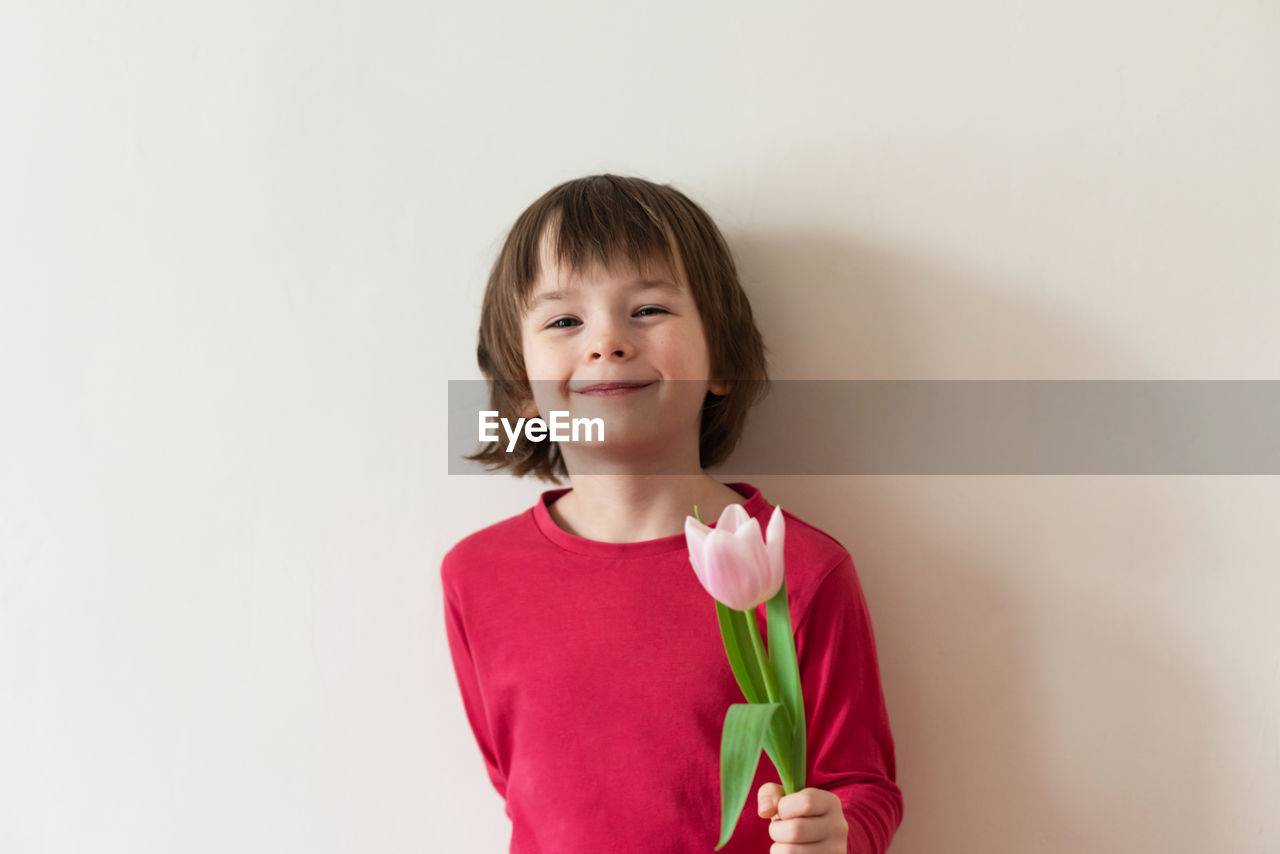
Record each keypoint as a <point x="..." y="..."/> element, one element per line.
<point x="242" y="251"/>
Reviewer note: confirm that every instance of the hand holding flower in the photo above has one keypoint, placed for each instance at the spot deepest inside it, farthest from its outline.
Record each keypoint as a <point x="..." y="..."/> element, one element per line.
<point x="811" y="818"/>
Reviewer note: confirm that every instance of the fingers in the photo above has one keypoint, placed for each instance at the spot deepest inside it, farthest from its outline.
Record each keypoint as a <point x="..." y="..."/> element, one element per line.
<point x="804" y="803"/>
<point x="767" y="800"/>
<point x="813" y="818"/>
<point x="802" y="831"/>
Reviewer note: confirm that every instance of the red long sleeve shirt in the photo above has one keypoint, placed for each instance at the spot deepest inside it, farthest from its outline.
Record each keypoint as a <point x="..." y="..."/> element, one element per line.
<point x="595" y="680"/>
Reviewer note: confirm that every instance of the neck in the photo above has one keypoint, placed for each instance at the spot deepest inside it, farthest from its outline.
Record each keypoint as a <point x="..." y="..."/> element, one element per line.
<point x="623" y="508"/>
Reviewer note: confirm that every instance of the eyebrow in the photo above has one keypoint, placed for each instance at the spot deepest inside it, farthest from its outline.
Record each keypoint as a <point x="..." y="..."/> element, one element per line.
<point x="638" y="285"/>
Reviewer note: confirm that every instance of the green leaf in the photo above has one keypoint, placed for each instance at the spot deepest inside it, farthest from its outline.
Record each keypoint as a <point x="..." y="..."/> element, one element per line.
<point x="745" y="730"/>
<point x="779" y="741"/>
<point x="734" y="625"/>
<point x="786" y="674"/>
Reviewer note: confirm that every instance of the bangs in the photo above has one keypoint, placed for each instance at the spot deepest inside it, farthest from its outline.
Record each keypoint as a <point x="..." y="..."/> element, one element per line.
<point x="595" y="222"/>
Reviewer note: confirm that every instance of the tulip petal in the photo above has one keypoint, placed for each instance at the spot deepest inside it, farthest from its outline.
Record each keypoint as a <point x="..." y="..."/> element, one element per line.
<point x="731" y="518"/>
<point x="749" y="523"/>
<point x="737" y="570"/>
<point x="749" y="530"/>
<point x="774" y="546"/>
<point x="695" y="535"/>
<point x="770" y="572"/>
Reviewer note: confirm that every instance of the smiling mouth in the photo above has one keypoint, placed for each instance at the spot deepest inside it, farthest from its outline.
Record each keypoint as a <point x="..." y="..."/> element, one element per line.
<point x="613" y="389"/>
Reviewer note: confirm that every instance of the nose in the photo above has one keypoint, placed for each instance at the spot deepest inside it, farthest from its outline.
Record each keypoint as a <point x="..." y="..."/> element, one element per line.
<point x="609" y="342"/>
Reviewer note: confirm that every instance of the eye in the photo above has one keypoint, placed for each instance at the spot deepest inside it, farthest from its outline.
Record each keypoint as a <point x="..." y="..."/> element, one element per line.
<point x="560" y="322"/>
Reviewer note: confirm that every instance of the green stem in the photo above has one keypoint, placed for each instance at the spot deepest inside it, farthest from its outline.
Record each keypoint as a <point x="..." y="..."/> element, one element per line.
<point x="770" y="686"/>
<point x="771" y="689"/>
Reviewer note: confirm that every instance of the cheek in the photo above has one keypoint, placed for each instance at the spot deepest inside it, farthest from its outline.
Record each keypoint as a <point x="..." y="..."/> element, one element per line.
<point x="538" y="360"/>
<point x="692" y="358"/>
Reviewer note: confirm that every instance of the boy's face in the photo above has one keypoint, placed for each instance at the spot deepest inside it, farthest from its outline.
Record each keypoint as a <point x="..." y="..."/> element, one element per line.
<point x="610" y="326"/>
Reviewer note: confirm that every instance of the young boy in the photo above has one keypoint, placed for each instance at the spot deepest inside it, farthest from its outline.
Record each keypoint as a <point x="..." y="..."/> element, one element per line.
<point x="589" y="657"/>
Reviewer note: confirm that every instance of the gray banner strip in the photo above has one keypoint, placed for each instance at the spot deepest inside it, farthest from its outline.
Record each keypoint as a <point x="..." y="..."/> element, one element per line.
<point x="1091" y="427"/>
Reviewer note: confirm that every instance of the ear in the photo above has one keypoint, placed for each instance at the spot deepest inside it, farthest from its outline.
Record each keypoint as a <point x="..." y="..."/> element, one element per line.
<point x="719" y="387"/>
<point x="529" y="409"/>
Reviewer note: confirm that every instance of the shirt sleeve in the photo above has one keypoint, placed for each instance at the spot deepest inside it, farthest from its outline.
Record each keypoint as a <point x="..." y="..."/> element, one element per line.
<point x="849" y="746"/>
<point x="472" y="697"/>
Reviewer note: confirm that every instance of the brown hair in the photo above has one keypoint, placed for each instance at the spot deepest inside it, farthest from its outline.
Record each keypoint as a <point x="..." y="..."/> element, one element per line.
<point x="595" y="218"/>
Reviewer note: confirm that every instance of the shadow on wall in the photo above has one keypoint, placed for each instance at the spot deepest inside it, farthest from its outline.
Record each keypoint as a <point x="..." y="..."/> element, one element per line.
<point x="1020" y="724"/>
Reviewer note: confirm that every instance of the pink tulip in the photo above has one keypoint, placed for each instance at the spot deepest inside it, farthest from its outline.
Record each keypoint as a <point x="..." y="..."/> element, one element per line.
<point x="733" y="562"/>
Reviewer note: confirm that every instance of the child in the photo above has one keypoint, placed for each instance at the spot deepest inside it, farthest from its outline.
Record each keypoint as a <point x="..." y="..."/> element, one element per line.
<point x="589" y="657"/>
